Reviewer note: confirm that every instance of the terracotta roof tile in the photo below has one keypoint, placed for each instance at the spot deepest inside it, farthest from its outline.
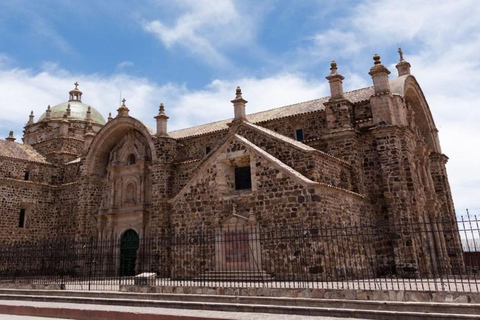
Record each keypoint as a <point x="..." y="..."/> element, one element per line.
<point x="280" y="137"/>
<point x="20" y="151"/>
<point x="355" y="96"/>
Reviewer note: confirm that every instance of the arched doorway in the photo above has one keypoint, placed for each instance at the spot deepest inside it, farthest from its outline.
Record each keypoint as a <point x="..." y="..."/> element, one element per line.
<point x="128" y="252"/>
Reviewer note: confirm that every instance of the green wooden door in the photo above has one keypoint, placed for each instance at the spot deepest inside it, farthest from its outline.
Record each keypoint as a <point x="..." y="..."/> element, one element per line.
<point x="128" y="252"/>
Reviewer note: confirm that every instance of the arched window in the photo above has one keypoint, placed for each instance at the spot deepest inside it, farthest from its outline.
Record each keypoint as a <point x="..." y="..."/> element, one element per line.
<point x="130" y="193"/>
<point x="131" y="159"/>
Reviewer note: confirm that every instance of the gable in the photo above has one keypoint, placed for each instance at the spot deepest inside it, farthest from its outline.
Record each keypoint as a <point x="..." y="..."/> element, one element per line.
<point x="235" y="151"/>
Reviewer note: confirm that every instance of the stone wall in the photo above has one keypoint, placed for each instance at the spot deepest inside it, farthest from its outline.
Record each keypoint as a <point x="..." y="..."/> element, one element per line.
<point x="277" y="198"/>
<point x="183" y="172"/>
<point x="195" y="147"/>
<point x="312" y="164"/>
<point x="37" y="172"/>
<point x="37" y="201"/>
<point x="313" y="125"/>
<point x="61" y="149"/>
<point x="65" y="210"/>
<point x="90" y="192"/>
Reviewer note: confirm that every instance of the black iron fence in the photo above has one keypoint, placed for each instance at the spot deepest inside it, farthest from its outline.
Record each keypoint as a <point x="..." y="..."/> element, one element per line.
<point x="441" y="256"/>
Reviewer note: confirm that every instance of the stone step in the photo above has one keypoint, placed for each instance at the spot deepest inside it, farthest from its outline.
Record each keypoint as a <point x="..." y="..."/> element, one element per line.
<point x="280" y="305"/>
<point x="251" y="308"/>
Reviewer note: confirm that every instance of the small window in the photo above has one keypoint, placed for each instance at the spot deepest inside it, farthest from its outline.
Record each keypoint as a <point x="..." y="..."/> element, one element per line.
<point x="243" y="178"/>
<point x="21" y="219"/>
<point x="131" y="159"/>
<point x="26" y="177"/>
<point x="207" y="150"/>
<point x="299" y="134"/>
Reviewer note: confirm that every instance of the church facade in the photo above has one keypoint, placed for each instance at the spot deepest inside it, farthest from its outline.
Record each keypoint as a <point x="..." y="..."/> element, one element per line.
<point x="370" y="154"/>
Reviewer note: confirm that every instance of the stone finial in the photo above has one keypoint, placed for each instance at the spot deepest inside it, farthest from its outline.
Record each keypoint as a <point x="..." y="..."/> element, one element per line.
<point x="64" y="124"/>
<point x="30" y="118"/>
<point x="110" y="117"/>
<point x="48" y="113"/>
<point x="88" y="136"/>
<point x="89" y="114"/>
<point x="69" y="110"/>
<point x="402" y="66"/>
<point x="238" y="93"/>
<point x="336" y="82"/>
<point x="123" y="110"/>
<point x="239" y="106"/>
<point x="161" y="118"/>
<point x="10" y="137"/>
<point x="379" y="75"/>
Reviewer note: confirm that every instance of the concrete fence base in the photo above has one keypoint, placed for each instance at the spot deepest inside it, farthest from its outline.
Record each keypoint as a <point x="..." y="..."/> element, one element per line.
<point x="33" y="286"/>
<point x="375" y="295"/>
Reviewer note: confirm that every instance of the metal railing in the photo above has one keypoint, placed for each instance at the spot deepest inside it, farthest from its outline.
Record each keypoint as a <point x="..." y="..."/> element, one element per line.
<point x="439" y="256"/>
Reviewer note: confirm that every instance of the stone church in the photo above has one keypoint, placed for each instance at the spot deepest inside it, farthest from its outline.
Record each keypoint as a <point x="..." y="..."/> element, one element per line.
<point x="370" y="154"/>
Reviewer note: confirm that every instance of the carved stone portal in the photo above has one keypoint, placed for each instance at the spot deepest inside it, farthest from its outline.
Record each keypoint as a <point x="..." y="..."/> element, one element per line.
<point x="126" y="200"/>
<point x="237" y="247"/>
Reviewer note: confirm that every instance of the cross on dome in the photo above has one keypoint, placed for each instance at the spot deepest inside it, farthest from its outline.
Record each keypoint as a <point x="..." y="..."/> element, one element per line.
<point x="400" y="52"/>
<point x="75" y="94"/>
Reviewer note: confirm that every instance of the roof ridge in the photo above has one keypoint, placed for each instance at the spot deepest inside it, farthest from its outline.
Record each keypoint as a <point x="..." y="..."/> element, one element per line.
<point x="281" y="137"/>
<point x="355" y="96"/>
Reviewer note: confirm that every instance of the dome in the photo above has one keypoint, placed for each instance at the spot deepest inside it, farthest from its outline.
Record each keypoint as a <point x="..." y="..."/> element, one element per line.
<point x="78" y="111"/>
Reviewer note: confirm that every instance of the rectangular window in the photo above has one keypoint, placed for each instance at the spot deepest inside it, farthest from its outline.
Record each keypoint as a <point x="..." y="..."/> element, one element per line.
<point x="27" y="175"/>
<point x="243" y="178"/>
<point x="21" y="219"/>
<point x="299" y="134"/>
<point x="207" y="150"/>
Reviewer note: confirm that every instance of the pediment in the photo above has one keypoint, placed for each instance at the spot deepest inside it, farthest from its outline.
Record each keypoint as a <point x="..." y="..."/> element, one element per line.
<point x="234" y="220"/>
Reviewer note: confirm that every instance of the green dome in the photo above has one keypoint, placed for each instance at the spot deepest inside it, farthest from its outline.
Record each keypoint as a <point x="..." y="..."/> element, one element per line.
<point x="78" y="111"/>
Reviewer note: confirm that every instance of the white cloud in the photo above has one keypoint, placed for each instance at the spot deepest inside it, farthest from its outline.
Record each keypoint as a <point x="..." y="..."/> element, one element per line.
<point x="124" y="64"/>
<point x="205" y="29"/>
<point x="441" y="40"/>
<point x="213" y="102"/>
<point x="34" y="91"/>
<point x="5" y="60"/>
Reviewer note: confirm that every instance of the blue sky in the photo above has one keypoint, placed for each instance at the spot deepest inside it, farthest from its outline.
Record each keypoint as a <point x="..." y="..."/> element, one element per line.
<point x="191" y="55"/>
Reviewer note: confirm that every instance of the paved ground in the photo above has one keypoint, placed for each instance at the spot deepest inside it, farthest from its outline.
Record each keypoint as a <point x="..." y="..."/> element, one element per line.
<point x="10" y="317"/>
<point x="159" y="311"/>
